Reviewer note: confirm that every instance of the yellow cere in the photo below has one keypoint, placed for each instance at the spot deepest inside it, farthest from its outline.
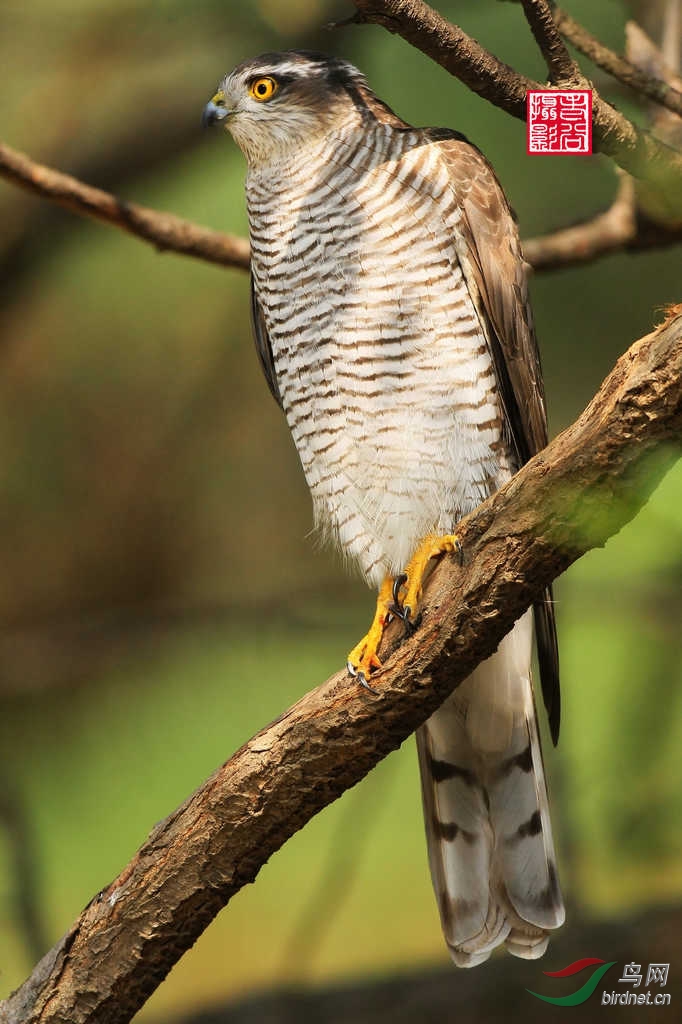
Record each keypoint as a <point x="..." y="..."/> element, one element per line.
<point x="263" y="88"/>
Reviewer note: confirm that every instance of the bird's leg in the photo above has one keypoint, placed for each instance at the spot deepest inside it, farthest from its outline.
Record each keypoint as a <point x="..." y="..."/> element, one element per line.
<point x="400" y="596"/>
<point x="363" y="658"/>
<point x="407" y="590"/>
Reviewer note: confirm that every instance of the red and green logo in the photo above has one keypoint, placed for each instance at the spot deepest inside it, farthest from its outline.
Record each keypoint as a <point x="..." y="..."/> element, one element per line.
<point x="586" y="990"/>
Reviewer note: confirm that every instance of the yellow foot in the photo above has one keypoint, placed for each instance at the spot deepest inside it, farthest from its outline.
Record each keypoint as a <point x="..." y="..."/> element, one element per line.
<point x="400" y="596"/>
<point x="363" y="658"/>
<point x="407" y="591"/>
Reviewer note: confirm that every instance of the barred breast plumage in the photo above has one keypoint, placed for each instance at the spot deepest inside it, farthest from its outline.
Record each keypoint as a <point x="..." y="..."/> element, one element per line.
<point x="385" y="376"/>
<point x="391" y="319"/>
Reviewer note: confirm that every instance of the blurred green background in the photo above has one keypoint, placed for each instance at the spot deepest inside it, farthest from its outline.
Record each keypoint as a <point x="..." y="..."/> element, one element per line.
<point x="160" y="595"/>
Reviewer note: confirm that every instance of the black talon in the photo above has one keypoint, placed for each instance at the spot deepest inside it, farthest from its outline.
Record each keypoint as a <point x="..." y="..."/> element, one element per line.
<point x="411" y="625"/>
<point x="460" y="552"/>
<point x="397" y="584"/>
<point x="361" y="678"/>
<point x="363" y="682"/>
<point x="395" y="608"/>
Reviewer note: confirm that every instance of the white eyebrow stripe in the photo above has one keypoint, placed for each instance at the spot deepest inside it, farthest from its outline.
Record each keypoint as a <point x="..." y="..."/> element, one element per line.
<point x="303" y="69"/>
<point x="293" y="68"/>
<point x="288" y="68"/>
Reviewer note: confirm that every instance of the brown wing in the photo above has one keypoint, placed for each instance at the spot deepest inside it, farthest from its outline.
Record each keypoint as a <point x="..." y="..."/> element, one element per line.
<point x="260" y="336"/>
<point x="496" y="274"/>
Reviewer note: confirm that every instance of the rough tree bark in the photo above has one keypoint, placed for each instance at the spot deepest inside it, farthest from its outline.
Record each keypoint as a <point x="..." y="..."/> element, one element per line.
<point x="571" y="497"/>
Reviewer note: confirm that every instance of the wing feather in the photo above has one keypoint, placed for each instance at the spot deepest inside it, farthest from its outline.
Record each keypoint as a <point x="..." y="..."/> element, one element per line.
<point x="263" y="347"/>
<point x="497" y="276"/>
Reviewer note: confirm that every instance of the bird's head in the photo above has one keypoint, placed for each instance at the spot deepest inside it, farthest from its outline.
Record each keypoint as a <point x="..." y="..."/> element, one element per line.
<point x="279" y="101"/>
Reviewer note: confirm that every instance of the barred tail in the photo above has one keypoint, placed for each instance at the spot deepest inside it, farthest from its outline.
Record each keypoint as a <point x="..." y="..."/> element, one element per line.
<point x="486" y="811"/>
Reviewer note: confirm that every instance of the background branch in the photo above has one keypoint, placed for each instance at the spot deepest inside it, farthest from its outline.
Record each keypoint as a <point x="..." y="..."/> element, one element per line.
<point x="448" y="45"/>
<point x="656" y="205"/>
<point x="633" y="149"/>
<point x="629" y="74"/>
<point x="164" y="230"/>
<point x="640" y="217"/>
<point x="605" y="233"/>
<point x="617" y="228"/>
<point x="622" y="227"/>
<point x="672" y="33"/>
<point x="571" y="497"/>
<point x="563" y="70"/>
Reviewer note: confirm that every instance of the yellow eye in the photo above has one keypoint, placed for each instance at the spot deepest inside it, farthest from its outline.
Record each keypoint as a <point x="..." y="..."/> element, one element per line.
<point x="263" y="88"/>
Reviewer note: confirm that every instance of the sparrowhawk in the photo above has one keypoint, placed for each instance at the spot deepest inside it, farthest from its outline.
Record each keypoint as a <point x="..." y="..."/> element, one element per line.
<point x="391" y="318"/>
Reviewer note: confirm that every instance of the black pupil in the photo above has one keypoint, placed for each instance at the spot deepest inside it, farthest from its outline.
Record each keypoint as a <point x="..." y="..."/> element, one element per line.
<point x="262" y="88"/>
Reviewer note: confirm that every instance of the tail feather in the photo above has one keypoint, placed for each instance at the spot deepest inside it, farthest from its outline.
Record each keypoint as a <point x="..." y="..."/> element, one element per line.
<point x="524" y="845"/>
<point x="486" y="811"/>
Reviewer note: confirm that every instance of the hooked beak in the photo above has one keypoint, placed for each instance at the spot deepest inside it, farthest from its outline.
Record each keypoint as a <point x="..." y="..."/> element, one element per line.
<point x="214" y="111"/>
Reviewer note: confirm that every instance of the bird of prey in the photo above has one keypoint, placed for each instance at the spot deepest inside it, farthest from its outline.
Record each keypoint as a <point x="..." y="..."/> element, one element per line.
<point x="391" y="318"/>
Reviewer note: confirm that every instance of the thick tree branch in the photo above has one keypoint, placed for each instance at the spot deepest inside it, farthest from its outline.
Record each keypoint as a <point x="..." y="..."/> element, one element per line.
<point x="633" y="149"/>
<point x="571" y="497"/>
<point x="164" y="230"/>
<point x="629" y="74"/>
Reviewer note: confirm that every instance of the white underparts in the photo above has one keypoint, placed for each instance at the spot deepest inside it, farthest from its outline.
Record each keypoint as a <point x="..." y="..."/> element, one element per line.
<point x="384" y="371"/>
